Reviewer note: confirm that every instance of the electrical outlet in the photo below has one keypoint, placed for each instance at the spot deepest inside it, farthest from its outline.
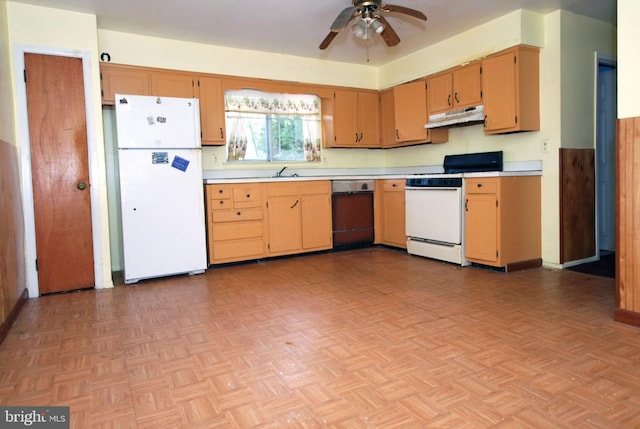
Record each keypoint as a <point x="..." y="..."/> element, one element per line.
<point x="214" y="159"/>
<point x="544" y="147"/>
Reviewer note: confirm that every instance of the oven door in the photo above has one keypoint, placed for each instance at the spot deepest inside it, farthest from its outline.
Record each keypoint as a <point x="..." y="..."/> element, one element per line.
<point x="434" y="214"/>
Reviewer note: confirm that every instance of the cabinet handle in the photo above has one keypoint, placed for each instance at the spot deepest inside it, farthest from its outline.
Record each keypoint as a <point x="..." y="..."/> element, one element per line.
<point x="393" y="185"/>
<point x="220" y="190"/>
<point x="361" y="135"/>
<point x="456" y="97"/>
<point x="356" y="137"/>
<point x="239" y="213"/>
<point x="466" y="205"/>
<point x="479" y="185"/>
<point x="449" y="100"/>
<point x="248" y="195"/>
<point x="485" y="121"/>
<point x="221" y="133"/>
<point x="397" y="135"/>
<point x="221" y="202"/>
<point x="295" y="204"/>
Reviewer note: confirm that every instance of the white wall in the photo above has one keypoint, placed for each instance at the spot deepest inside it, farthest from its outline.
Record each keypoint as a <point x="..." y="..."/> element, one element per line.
<point x="558" y="63"/>
<point x="629" y="59"/>
<point x="6" y="106"/>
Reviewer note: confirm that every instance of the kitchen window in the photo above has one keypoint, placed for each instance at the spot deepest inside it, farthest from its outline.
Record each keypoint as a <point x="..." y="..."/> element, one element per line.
<point x="264" y="126"/>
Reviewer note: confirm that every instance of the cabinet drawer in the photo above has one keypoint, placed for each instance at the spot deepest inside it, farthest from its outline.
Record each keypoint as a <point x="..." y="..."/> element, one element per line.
<point x="482" y="186"/>
<point x="244" y="197"/>
<point x="236" y="215"/>
<point x="238" y="249"/>
<point x="275" y="189"/>
<point x="393" y="184"/>
<point x="236" y="230"/>
<point x="321" y="187"/>
<point x="219" y="191"/>
<point x="219" y="204"/>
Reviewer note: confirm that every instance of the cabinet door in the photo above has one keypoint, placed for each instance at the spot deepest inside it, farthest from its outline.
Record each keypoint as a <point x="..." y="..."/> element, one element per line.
<point x="284" y="224"/>
<point x="467" y="86"/>
<point x="410" y="111"/>
<point x="122" y="81"/>
<point x="345" y="118"/>
<point x="212" y="117"/>
<point x="393" y="213"/>
<point x="439" y="89"/>
<point x="316" y="221"/>
<point x="172" y="85"/>
<point x="499" y="87"/>
<point x="387" y="120"/>
<point x="481" y="227"/>
<point x="368" y="119"/>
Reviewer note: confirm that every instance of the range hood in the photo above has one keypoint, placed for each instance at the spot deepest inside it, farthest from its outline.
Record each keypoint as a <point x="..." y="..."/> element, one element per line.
<point x="456" y="117"/>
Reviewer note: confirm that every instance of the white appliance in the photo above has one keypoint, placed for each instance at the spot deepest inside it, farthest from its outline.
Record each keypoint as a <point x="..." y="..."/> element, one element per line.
<point x="468" y="115"/>
<point x="161" y="187"/>
<point x="434" y="217"/>
<point x="435" y="207"/>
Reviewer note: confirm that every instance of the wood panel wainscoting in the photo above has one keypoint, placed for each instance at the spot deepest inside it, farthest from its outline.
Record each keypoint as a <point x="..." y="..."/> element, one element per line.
<point x="628" y="221"/>
<point x="12" y="273"/>
<point x="577" y="204"/>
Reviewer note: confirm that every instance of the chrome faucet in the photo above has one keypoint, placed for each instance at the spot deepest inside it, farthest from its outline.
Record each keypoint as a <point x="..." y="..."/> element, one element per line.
<point x="279" y="173"/>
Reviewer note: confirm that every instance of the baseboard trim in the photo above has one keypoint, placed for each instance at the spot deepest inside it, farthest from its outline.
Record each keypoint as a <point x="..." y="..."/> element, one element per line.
<point x="523" y="265"/>
<point x="6" y="325"/>
<point x="627" y="317"/>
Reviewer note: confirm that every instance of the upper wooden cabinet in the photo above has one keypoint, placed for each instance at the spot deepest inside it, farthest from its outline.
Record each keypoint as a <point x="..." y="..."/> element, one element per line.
<point x="387" y="119"/>
<point x="173" y="84"/>
<point x="510" y="82"/>
<point x="212" y="116"/>
<point x="122" y="80"/>
<point x="409" y="117"/>
<point x="455" y="89"/>
<point x="117" y="78"/>
<point x="356" y="119"/>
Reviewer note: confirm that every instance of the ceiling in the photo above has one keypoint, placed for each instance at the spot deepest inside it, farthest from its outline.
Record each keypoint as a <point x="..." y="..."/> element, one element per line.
<point x="297" y="27"/>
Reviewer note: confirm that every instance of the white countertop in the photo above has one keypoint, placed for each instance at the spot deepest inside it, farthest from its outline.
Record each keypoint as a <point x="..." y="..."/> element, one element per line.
<point x="521" y="168"/>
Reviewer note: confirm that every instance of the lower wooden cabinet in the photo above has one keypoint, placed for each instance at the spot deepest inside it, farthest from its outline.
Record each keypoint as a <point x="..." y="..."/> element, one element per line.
<point x="235" y="222"/>
<point x="503" y="221"/>
<point x="298" y="217"/>
<point x="390" y="213"/>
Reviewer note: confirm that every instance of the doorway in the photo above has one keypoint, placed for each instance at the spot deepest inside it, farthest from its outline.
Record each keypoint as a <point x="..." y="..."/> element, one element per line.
<point x="606" y="114"/>
<point x="101" y="268"/>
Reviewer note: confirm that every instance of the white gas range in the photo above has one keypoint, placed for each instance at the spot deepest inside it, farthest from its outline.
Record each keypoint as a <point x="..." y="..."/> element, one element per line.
<point x="435" y="223"/>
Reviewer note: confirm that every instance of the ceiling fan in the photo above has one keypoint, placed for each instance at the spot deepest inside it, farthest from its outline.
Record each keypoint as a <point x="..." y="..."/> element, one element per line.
<point x="369" y="21"/>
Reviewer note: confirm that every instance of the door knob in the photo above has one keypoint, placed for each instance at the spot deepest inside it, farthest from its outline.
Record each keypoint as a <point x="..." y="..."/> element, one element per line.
<point x="82" y="186"/>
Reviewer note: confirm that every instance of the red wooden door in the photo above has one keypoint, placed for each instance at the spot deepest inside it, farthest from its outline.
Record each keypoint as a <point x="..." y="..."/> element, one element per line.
<point x="59" y="164"/>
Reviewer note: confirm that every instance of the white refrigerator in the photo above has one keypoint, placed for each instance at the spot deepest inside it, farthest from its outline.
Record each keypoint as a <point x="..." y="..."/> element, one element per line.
<point x="161" y="187"/>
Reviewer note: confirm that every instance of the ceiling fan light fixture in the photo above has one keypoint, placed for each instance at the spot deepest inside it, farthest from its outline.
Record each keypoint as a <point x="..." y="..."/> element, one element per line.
<point x="377" y="26"/>
<point x="359" y="28"/>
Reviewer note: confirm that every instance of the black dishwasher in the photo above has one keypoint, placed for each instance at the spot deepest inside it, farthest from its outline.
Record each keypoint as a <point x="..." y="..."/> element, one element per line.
<point x="352" y="213"/>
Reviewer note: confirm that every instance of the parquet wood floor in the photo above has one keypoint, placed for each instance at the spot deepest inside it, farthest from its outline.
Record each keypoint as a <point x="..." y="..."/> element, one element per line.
<point x="366" y="338"/>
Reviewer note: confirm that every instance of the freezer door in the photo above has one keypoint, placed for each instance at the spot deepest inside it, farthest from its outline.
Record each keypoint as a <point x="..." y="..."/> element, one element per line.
<point x="163" y="223"/>
<point x="157" y="122"/>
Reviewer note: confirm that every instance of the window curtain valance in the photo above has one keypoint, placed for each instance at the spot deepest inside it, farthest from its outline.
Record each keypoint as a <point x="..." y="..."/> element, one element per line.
<point x="252" y="101"/>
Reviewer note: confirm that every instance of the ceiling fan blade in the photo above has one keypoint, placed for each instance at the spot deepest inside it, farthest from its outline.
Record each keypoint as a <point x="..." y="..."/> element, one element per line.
<point x="328" y="39"/>
<point x="389" y="35"/>
<point x="404" y="10"/>
<point x="343" y="19"/>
